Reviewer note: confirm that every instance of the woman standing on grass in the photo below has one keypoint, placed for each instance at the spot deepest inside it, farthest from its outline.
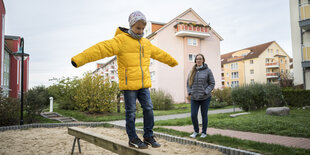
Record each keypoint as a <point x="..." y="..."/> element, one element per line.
<point x="200" y="83"/>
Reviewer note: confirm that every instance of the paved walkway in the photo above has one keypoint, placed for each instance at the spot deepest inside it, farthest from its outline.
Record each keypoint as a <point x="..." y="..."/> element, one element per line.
<point x="167" y="117"/>
<point x="265" y="138"/>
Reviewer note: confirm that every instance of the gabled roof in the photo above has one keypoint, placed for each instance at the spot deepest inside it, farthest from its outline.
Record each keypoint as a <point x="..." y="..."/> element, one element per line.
<point x="255" y="51"/>
<point x="180" y="16"/>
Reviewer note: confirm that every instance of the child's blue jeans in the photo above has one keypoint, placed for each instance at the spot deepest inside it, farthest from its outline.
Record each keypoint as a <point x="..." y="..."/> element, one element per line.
<point x="143" y="95"/>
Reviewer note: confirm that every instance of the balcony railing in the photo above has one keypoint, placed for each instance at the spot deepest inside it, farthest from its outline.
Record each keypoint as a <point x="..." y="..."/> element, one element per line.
<point x="272" y="75"/>
<point x="192" y="30"/>
<point x="304" y="11"/>
<point x="272" y="65"/>
<point x="306" y="53"/>
<point x="304" y="16"/>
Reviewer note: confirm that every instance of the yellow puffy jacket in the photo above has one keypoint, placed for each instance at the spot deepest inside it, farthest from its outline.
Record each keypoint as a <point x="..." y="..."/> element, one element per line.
<point x="133" y="58"/>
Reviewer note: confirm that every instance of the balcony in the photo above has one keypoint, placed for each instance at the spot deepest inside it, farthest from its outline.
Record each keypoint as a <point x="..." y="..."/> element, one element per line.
<point x="192" y="30"/>
<point x="272" y="65"/>
<point x="272" y="75"/>
<point x="304" y="16"/>
<point x="306" y="56"/>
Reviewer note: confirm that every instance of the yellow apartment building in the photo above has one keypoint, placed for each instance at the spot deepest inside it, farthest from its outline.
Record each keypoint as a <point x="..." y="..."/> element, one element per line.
<point x="257" y="64"/>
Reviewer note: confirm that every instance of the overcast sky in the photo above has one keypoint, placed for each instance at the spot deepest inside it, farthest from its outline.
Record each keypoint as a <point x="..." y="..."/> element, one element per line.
<point x="56" y="30"/>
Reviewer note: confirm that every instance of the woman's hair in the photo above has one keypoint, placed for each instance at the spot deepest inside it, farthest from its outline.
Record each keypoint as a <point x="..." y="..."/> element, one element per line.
<point x="193" y="72"/>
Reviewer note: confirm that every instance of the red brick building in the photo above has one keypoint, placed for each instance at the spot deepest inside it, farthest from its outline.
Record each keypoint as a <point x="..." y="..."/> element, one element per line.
<point x="10" y="63"/>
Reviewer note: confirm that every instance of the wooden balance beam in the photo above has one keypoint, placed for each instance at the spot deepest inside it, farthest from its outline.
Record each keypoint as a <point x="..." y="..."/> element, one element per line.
<point x="106" y="142"/>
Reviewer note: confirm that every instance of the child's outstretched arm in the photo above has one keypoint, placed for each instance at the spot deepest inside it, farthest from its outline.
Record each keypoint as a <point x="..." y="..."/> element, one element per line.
<point x="163" y="56"/>
<point x="101" y="50"/>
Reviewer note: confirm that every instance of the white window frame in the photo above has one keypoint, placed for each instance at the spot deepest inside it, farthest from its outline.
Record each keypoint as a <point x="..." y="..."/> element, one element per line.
<point x="191" y="57"/>
<point x="192" y="41"/>
<point x="234" y="66"/>
<point x="234" y="75"/>
<point x="252" y="71"/>
<point x="234" y="84"/>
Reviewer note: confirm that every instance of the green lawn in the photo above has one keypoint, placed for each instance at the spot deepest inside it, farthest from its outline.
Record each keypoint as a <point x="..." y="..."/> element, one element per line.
<point x="263" y="148"/>
<point x="83" y="116"/>
<point x="296" y="124"/>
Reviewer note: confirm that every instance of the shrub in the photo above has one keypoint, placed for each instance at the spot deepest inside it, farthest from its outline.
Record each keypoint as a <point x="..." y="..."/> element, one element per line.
<point x="9" y="110"/>
<point x="296" y="97"/>
<point x="161" y="100"/>
<point x="217" y="104"/>
<point x="36" y="99"/>
<point x="223" y="95"/>
<point x="64" y="91"/>
<point x="94" y="93"/>
<point x="257" y="96"/>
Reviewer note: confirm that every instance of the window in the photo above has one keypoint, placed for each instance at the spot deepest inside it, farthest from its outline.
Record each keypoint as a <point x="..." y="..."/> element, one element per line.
<point x="227" y="83"/>
<point x="277" y="51"/>
<point x="192" y="42"/>
<point x="227" y="74"/>
<point x="234" y="75"/>
<point x="252" y="81"/>
<point x="251" y="62"/>
<point x="191" y="58"/>
<point x="281" y="61"/>
<point x="252" y="71"/>
<point x="235" y="84"/>
<point x="282" y="71"/>
<point x="153" y="75"/>
<point x="234" y="66"/>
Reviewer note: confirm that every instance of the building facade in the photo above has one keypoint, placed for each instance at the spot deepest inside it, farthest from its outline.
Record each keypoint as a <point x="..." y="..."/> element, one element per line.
<point x="300" y="26"/>
<point x="108" y="70"/>
<point x="10" y="63"/>
<point x="2" y="53"/>
<point x="264" y="63"/>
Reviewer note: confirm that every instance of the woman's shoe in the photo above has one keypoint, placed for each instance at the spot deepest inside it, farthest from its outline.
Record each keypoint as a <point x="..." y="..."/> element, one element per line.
<point x="193" y="135"/>
<point x="203" y="135"/>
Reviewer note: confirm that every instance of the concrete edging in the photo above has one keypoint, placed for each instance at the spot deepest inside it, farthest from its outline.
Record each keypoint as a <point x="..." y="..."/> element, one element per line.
<point x="170" y="138"/>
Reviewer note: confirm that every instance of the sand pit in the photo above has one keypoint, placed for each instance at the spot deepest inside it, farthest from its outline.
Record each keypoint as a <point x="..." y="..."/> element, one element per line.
<point x="57" y="141"/>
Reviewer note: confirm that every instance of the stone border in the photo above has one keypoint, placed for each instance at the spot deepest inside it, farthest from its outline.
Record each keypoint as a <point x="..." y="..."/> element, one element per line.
<point x="170" y="138"/>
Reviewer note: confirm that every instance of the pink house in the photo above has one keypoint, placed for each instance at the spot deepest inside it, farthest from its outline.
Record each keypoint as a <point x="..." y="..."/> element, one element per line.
<point x="183" y="37"/>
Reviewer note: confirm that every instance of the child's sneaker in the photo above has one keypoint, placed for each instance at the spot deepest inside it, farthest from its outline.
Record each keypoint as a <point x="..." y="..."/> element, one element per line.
<point x="193" y="135"/>
<point x="151" y="141"/>
<point x="203" y="135"/>
<point x="137" y="143"/>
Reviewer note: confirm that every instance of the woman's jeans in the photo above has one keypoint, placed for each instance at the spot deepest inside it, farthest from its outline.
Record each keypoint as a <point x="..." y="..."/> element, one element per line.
<point x="204" y="104"/>
<point x="143" y="95"/>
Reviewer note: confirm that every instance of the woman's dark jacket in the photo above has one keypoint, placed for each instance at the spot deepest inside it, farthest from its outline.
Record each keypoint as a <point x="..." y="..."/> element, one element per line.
<point x="203" y="84"/>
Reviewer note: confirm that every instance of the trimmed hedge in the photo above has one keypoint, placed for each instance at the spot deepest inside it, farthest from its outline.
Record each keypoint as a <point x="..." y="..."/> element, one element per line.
<point x="257" y="96"/>
<point x="296" y="97"/>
